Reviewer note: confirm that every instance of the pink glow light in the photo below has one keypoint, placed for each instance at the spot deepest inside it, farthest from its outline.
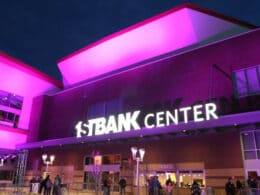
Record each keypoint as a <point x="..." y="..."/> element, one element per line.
<point x="9" y="139"/>
<point x="23" y="80"/>
<point x="161" y="34"/>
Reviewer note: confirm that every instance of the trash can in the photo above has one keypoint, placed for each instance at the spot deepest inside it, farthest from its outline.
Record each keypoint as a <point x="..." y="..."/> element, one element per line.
<point x="35" y="188"/>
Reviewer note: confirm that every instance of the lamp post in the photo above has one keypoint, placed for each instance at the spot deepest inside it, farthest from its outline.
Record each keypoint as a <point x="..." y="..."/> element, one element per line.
<point x="48" y="162"/>
<point x="138" y="158"/>
<point x="96" y="169"/>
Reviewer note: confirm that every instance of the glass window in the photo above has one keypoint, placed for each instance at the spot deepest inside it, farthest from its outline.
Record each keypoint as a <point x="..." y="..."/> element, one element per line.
<point x="250" y="155"/>
<point x="105" y="109"/>
<point x="8" y="118"/>
<point x="247" y="81"/>
<point x="257" y="139"/>
<point x="6" y="175"/>
<point x="10" y="105"/>
<point x="89" y="161"/>
<point x="106" y="159"/>
<point x="258" y="154"/>
<point x="111" y="159"/>
<point x="248" y="140"/>
<point x="11" y="100"/>
<point x="251" y="144"/>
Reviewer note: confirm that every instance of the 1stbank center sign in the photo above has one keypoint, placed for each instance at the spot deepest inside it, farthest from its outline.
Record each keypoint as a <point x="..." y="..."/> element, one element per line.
<point x="126" y="122"/>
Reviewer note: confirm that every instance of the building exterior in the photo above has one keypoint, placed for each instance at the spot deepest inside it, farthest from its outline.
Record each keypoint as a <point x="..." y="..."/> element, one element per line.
<point x="183" y="85"/>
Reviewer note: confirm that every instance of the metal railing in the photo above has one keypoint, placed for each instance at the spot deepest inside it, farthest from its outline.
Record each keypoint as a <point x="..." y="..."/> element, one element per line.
<point x="89" y="189"/>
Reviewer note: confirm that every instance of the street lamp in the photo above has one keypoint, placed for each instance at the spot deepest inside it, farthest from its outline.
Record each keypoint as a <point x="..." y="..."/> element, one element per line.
<point x="48" y="162"/>
<point x="96" y="169"/>
<point x="138" y="158"/>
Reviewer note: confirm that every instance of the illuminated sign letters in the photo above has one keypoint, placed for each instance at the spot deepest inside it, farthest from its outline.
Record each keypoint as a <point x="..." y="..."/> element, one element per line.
<point x="129" y="121"/>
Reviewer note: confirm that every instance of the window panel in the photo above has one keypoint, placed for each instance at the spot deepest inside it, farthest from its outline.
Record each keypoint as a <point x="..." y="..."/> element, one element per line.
<point x="248" y="141"/>
<point x="253" y="81"/>
<point x="250" y="155"/>
<point x="247" y="81"/>
<point x="257" y="139"/>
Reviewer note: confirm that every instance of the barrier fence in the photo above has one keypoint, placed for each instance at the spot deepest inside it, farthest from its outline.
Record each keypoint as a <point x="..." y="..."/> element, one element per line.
<point x="89" y="189"/>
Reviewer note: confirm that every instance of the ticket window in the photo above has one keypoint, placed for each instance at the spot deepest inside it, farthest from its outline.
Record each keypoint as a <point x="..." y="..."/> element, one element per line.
<point x="198" y="176"/>
<point x="162" y="177"/>
<point x="188" y="177"/>
<point x="172" y="176"/>
<point x="185" y="178"/>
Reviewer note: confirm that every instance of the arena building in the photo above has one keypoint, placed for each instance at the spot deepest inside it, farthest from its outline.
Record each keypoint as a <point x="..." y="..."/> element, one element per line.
<point x="183" y="85"/>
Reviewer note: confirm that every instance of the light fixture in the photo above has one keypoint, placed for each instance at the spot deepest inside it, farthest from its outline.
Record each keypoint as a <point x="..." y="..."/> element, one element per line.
<point x="139" y="158"/>
<point x="48" y="162"/>
<point x="2" y="162"/>
<point x="134" y="152"/>
<point x="44" y="157"/>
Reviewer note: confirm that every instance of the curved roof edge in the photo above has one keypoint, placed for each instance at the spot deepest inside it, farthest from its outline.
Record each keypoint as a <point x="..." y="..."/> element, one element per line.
<point x="185" y="5"/>
<point x="30" y="70"/>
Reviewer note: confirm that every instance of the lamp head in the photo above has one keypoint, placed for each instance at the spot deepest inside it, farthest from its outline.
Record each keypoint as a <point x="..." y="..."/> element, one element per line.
<point x="2" y="162"/>
<point x="141" y="153"/>
<point x="44" y="157"/>
<point x="134" y="151"/>
<point x="52" y="158"/>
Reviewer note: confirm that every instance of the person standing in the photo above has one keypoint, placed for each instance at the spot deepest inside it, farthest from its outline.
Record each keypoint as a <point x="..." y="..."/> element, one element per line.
<point x="169" y="185"/>
<point x="48" y="184"/>
<point x="150" y="185"/>
<point x="230" y="187"/>
<point x="107" y="185"/>
<point x="56" y="185"/>
<point x="239" y="186"/>
<point x="156" y="186"/>
<point x="41" y="183"/>
<point x="195" y="188"/>
<point x="122" y="185"/>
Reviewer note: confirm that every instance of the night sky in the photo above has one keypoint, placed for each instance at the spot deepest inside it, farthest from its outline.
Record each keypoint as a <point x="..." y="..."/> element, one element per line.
<point x="40" y="32"/>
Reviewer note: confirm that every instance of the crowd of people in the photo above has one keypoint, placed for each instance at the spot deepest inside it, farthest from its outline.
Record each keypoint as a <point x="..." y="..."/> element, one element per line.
<point x="232" y="187"/>
<point x="46" y="185"/>
<point x="236" y="188"/>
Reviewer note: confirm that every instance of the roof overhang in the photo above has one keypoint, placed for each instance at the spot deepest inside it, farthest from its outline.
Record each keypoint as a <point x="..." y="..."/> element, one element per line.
<point x="170" y="31"/>
<point x="223" y="121"/>
<point x="22" y="79"/>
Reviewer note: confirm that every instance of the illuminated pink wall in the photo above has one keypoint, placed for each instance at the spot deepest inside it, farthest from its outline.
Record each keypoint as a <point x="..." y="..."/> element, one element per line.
<point x="164" y="33"/>
<point x="23" y="80"/>
<point x="176" y="81"/>
<point x="9" y="137"/>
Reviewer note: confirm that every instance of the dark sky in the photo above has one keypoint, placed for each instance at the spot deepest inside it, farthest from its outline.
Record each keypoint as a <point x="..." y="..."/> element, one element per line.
<point x="39" y="32"/>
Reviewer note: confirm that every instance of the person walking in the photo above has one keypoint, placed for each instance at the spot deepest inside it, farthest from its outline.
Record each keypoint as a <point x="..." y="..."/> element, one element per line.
<point x="56" y="185"/>
<point x="122" y="185"/>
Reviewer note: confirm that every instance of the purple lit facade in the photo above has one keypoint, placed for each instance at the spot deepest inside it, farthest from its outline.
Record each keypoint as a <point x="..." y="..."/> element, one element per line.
<point x="159" y="64"/>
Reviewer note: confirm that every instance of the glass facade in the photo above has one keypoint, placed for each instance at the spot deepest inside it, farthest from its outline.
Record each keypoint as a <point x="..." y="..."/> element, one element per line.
<point x="110" y="166"/>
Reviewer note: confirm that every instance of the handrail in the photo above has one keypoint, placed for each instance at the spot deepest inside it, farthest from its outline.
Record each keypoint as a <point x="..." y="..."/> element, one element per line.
<point x="88" y="188"/>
